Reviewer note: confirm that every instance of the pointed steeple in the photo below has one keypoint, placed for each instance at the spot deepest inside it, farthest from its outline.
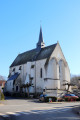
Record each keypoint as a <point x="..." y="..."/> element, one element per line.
<point x="40" y="43"/>
<point x="40" y="36"/>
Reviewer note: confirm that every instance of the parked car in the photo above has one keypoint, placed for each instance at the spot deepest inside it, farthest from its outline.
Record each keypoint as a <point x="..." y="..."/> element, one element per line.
<point x="47" y="98"/>
<point x="60" y="99"/>
<point x="42" y="97"/>
<point x="70" y="97"/>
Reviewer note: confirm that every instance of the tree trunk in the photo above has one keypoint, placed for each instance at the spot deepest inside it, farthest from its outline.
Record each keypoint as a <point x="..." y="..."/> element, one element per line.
<point x="68" y="87"/>
<point x="28" y="91"/>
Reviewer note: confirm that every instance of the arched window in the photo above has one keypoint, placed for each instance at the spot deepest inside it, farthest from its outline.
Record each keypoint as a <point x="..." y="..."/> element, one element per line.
<point x="62" y="69"/>
<point x="20" y="67"/>
<point x="16" y="88"/>
<point x="13" y="69"/>
<point x="41" y="73"/>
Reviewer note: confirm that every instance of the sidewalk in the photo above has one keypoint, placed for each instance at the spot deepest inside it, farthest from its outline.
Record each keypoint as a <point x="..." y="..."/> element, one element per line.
<point x="1" y="102"/>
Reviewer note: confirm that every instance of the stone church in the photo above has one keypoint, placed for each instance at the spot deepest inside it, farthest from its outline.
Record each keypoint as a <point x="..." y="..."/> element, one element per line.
<point x="44" y="68"/>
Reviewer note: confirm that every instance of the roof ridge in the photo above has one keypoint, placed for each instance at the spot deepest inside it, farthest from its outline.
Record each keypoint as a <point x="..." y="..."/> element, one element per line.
<point x="49" y="45"/>
<point x="35" y="49"/>
<point x="27" y="51"/>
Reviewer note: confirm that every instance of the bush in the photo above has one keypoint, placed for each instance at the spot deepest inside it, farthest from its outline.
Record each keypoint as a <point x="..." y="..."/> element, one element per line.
<point x="71" y="99"/>
<point x="66" y="99"/>
<point x="1" y="96"/>
<point x="54" y="99"/>
<point x="7" y="94"/>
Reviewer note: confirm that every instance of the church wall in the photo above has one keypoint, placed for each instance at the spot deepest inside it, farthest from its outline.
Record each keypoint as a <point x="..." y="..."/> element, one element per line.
<point x="22" y="71"/>
<point x="67" y="77"/>
<point x="21" y="78"/>
<point x="57" y="53"/>
<point x="30" y="76"/>
<point x="9" y="86"/>
<point x="40" y="81"/>
<point x="52" y="80"/>
<point x="64" y="71"/>
<point x="52" y="69"/>
<point x="67" y="71"/>
<point x="62" y="74"/>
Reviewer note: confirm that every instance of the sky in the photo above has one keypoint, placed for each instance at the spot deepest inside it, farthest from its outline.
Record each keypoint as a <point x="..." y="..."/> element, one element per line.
<point x="20" y="22"/>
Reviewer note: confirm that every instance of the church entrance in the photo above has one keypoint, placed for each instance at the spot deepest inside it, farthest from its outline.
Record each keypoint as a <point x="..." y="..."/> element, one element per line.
<point x="16" y="88"/>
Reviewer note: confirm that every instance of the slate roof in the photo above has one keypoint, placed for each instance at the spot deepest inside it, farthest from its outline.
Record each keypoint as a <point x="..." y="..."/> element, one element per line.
<point x="33" y="55"/>
<point x="13" y="77"/>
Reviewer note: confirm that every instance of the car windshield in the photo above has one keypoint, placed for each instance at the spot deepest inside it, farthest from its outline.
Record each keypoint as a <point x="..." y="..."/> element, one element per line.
<point x="45" y="95"/>
<point x="69" y="95"/>
<point x="72" y="94"/>
<point x="41" y="95"/>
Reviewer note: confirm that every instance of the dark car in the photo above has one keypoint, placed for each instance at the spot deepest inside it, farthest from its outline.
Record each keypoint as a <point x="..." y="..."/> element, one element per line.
<point x="42" y="97"/>
<point x="70" y="97"/>
<point x="47" y="98"/>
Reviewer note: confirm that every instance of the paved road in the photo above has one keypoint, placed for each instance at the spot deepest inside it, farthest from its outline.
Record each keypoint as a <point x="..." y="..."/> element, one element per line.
<point x="17" y="109"/>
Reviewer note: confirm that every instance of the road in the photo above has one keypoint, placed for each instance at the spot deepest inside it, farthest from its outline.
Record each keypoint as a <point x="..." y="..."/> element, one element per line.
<point x="22" y="109"/>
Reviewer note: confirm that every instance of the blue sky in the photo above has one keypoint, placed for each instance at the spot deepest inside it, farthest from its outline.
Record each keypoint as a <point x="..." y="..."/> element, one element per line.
<point x="20" y="26"/>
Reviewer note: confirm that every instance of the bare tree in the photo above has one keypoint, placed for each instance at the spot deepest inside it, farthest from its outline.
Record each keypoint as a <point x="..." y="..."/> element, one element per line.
<point x="27" y="85"/>
<point x="76" y="80"/>
<point x="69" y="84"/>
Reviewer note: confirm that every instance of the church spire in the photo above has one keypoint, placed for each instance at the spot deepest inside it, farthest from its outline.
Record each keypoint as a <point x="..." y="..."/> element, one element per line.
<point x="40" y="36"/>
<point x="40" y="43"/>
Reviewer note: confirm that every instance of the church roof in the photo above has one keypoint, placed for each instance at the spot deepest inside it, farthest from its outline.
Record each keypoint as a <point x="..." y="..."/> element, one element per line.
<point x="13" y="77"/>
<point x="33" y="55"/>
